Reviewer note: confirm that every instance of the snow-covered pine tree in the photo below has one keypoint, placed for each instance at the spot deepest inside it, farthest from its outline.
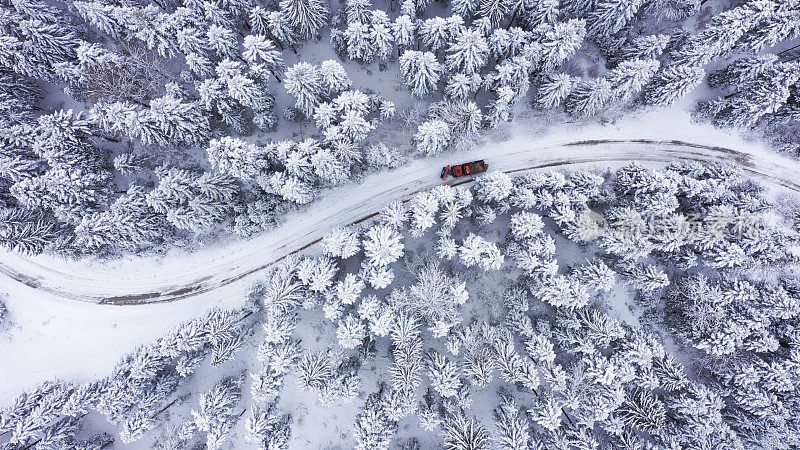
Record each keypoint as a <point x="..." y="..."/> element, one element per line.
<point x="541" y="12"/>
<point x="130" y="163"/>
<point x="382" y="245"/>
<point x="767" y="94"/>
<point x="554" y="89"/>
<point x="465" y="118"/>
<point x="629" y="77"/>
<point x="597" y="275"/>
<point x="168" y="121"/>
<point x="464" y="8"/>
<point x="355" y="126"/>
<point x="493" y="187"/>
<point x="506" y="44"/>
<point x="561" y="291"/>
<point x="468" y="53"/>
<point x="462" y="433"/>
<point x="222" y="41"/>
<point x="360" y="45"/>
<point x="407" y="353"/>
<point x="379" y="277"/>
<point x="25" y="231"/>
<point x="260" y="50"/>
<point x="405" y="32"/>
<point x="721" y="34"/>
<point x="382" y="36"/>
<point x="670" y="373"/>
<point x="304" y="82"/>
<point x="526" y="225"/>
<point x="611" y="16"/>
<point x="423" y="207"/>
<point x="349" y="289"/>
<point x="305" y="16"/>
<point x="215" y="414"/>
<point x="645" y="47"/>
<point x="69" y="194"/>
<point x="510" y="75"/>
<point x="316" y="273"/>
<point x="589" y="97"/>
<point x="314" y="370"/>
<point x="64" y="139"/>
<point x="289" y="187"/>
<point x="547" y="412"/>
<point x="777" y="26"/>
<point x="742" y="71"/>
<point x="443" y="374"/>
<point x="105" y="18"/>
<point x="421" y="72"/>
<point x="267" y="428"/>
<point x="374" y="428"/>
<point x="461" y="86"/>
<point x="644" y="411"/>
<point x="672" y="10"/>
<point x="334" y="77"/>
<point x="258" y="20"/>
<point x="43" y="40"/>
<point x="357" y="11"/>
<point x="236" y="157"/>
<point x="560" y="42"/>
<point x="514" y="432"/>
<point x="394" y="215"/>
<point x="36" y="417"/>
<point x="351" y="332"/>
<point x="340" y="243"/>
<point x="276" y="25"/>
<point x="646" y="278"/>
<point x="436" y="33"/>
<point x="673" y="83"/>
<point x="432" y="137"/>
<point x="325" y="115"/>
<point x="476" y="250"/>
<point x="191" y="201"/>
<point x="495" y="11"/>
<point x="380" y="155"/>
<point x="435" y="297"/>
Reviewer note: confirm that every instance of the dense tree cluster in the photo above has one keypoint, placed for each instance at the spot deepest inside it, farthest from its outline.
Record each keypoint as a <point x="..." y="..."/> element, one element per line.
<point x="136" y="395"/>
<point x="149" y="84"/>
<point x="577" y="375"/>
<point x="515" y="313"/>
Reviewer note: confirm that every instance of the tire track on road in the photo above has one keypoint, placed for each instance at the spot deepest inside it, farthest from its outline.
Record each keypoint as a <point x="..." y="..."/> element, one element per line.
<point x="616" y="151"/>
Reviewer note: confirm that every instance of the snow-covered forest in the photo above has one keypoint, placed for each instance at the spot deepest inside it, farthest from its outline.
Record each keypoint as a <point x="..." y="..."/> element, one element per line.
<point x="640" y="308"/>
<point x="650" y="305"/>
<point x="139" y="126"/>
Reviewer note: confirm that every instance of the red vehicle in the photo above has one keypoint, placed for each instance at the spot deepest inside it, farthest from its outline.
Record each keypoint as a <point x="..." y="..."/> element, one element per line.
<point x="460" y="170"/>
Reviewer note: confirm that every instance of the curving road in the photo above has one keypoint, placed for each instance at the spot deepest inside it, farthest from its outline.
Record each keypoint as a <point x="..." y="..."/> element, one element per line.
<point x="176" y="276"/>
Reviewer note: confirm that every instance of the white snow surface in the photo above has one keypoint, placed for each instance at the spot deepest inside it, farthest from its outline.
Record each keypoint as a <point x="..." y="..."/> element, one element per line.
<point x="53" y="335"/>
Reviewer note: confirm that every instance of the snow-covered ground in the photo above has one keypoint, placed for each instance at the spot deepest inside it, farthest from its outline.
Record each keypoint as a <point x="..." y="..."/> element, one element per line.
<point x="56" y="337"/>
<point x="51" y="338"/>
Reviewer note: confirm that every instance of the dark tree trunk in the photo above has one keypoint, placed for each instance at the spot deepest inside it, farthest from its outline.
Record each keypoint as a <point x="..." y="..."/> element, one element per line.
<point x="513" y="17"/>
<point x="166" y="407"/>
<point x="275" y="75"/>
<point x="108" y="138"/>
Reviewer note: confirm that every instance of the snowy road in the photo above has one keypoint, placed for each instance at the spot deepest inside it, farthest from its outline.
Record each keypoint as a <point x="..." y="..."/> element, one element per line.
<point x="176" y="276"/>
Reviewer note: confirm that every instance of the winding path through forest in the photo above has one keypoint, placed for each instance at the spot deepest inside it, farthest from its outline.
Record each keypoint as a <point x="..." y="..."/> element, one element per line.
<point x="175" y="277"/>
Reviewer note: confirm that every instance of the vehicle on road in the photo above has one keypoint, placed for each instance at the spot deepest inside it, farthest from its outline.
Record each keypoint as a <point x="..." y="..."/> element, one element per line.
<point x="459" y="170"/>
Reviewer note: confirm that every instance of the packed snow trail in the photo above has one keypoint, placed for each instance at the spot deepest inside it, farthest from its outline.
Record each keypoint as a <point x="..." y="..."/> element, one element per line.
<point x="150" y="280"/>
